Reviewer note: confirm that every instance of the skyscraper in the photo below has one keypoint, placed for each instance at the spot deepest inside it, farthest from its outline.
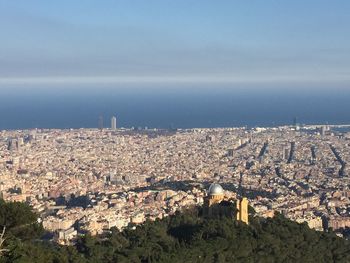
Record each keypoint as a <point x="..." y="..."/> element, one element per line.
<point x="113" y="123"/>
<point x="100" y="123"/>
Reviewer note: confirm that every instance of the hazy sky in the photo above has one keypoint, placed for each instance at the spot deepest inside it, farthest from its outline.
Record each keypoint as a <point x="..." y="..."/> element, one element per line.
<point x="174" y="41"/>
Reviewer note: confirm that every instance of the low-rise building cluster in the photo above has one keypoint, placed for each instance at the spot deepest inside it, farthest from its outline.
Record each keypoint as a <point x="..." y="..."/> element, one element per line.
<point x="87" y="180"/>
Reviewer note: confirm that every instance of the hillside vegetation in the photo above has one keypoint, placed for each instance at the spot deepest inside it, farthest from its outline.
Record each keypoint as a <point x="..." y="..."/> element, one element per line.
<point x="184" y="237"/>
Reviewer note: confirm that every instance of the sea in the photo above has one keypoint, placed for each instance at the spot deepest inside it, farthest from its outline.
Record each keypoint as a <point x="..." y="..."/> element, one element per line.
<point x="190" y="106"/>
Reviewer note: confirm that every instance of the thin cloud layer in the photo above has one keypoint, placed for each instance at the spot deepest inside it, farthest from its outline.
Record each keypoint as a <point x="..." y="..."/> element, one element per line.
<point x="168" y="42"/>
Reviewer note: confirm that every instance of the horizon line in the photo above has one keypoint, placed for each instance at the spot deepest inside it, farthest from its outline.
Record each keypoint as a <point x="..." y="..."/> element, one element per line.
<point x="181" y="79"/>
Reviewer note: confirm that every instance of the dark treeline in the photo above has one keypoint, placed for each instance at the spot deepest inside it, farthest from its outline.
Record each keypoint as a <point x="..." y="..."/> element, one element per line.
<point x="183" y="237"/>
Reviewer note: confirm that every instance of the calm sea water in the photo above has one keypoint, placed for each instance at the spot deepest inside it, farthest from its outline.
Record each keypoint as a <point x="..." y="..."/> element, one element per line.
<point x="163" y="108"/>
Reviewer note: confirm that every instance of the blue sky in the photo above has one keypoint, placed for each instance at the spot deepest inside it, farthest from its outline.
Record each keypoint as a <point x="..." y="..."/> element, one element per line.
<point x="167" y="41"/>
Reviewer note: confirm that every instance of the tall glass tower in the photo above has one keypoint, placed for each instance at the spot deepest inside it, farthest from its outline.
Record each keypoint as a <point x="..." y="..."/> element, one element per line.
<point x="113" y="123"/>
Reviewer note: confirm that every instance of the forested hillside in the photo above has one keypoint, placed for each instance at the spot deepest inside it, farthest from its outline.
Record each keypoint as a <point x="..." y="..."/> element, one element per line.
<point x="184" y="237"/>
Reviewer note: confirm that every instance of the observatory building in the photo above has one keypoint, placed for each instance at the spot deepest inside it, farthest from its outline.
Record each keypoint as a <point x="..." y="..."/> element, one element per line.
<point x="216" y="205"/>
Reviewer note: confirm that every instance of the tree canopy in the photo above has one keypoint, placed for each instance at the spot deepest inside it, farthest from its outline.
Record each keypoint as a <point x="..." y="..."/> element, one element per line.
<point x="183" y="237"/>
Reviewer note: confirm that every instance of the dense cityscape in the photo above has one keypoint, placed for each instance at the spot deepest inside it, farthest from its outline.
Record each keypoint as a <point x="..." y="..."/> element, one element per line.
<point x="91" y="180"/>
<point x="174" y="131"/>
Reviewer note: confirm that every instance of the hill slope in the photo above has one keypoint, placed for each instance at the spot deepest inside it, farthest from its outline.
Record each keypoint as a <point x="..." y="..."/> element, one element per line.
<point x="184" y="237"/>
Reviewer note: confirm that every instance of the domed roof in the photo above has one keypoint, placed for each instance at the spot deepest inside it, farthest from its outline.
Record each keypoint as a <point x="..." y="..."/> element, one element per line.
<point x="215" y="189"/>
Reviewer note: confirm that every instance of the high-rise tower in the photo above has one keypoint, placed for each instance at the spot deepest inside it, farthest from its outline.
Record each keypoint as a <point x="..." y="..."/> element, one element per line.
<point x="100" y="123"/>
<point x="113" y="123"/>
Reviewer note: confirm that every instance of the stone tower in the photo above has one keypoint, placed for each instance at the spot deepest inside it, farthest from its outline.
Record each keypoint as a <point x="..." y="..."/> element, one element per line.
<point x="242" y="210"/>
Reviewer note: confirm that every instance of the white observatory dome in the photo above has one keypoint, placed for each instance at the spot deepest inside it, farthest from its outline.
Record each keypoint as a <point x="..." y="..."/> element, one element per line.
<point x="215" y="189"/>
